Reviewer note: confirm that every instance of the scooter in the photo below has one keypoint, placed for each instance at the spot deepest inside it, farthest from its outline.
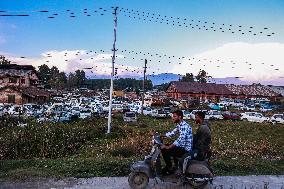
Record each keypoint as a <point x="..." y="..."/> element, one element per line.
<point x="196" y="174"/>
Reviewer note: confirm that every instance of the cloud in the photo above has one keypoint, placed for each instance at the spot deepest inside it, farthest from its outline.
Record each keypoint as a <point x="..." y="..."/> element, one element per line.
<point x="260" y="62"/>
<point x="70" y="61"/>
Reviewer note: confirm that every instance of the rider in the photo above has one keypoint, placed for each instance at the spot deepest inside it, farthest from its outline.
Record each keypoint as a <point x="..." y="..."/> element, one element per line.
<point x="202" y="138"/>
<point x="181" y="146"/>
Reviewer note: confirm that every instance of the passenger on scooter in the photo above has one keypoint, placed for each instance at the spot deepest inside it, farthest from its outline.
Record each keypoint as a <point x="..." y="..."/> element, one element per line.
<point x="202" y="138"/>
<point x="201" y="142"/>
<point x="181" y="146"/>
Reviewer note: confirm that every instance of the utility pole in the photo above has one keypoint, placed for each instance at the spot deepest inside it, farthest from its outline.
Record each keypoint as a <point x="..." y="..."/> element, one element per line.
<point x="112" y="72"/>
<point x="143" y="94"/>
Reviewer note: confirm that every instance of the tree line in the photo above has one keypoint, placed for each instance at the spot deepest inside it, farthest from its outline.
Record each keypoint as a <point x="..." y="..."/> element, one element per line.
<point x="53" y="78"/>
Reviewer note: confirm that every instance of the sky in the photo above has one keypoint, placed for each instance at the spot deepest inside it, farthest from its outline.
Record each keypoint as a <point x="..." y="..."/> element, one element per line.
<point x="226" y="38"/>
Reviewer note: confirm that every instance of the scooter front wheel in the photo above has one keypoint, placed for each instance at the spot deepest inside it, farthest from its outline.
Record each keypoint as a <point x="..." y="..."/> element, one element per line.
<point x="138" y="180"/>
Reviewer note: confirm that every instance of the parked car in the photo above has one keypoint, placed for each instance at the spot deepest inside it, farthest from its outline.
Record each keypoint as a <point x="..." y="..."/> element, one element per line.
<point x="248" y="108"/>
<point x="158" y="113"/>
<point x="277" y="118"/>
<point x="254" y="117"/>
<point x="167" y="110"/>
<point x="214" y="106"/>
<point x="75" y="110"/>
<point x="192" y="113"/>
<point x="231" y="116"/>
<point x="146" y="111"/>
<point x="214" y="115"/>
<point x="62" y="117"/>
<point x="15" y="110"/>
<point x="186" y="114"/>
<point x="85" y="114"/>
<point x="265" y="108"/>
<point x="130" y="117"/>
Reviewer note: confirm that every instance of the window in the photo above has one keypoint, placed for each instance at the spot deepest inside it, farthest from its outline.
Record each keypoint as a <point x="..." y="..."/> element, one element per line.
<point x="23" y="81"/>
<point x="11" y="98"/>
<point x="12" y="80"/>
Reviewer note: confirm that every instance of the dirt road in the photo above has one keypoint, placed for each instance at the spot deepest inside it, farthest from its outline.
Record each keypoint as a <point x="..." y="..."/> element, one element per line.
<point x="229" y="182"/>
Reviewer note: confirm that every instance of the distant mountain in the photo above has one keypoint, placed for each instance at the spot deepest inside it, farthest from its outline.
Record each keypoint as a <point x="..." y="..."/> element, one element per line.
<point x="228" y="80"/>
<point x="163" y="78"/>
<point x="168" y="77"/>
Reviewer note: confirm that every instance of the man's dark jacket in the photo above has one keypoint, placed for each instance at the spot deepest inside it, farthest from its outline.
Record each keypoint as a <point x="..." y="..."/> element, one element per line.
<point x="202" y="141"/>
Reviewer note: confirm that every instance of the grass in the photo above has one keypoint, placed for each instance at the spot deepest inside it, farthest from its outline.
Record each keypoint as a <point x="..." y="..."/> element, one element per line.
<point x="82" y="149"/>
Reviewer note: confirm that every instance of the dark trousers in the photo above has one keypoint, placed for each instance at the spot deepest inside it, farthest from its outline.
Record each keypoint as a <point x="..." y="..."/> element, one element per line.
<point x="175" y="152"/>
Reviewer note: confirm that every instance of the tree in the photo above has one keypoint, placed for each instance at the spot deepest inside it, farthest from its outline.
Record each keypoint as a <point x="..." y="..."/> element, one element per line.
<point x="54" y="71"/>
<point x="71" y="80"/>
<point x="202" y="76"/>
<point x="44" y="73"/>
<point x="59" y="81"/>
<point x="4" y="61"/>
<point x="189" y="77"/>
<point x="80" y="77"/>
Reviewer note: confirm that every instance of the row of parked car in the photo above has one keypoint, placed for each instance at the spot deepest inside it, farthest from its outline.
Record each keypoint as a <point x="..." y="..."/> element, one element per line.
<point x="209" y="115"/>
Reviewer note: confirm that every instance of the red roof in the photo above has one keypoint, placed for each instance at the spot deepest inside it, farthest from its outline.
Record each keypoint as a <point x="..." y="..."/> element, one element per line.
<point x="222" y="89"/>
<point x="255" y="90"/>
<point x="195" y="87"/>
<point x="30" y="91"/>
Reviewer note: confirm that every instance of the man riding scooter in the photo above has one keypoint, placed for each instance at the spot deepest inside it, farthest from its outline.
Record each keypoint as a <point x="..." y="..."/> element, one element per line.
<point x="181" y="146"/>
<point x="201" y="140"/>
<point x="196" y="173"/>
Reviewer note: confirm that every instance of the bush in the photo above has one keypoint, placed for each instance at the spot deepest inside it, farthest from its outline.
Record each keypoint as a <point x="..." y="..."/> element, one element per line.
<point x="50" y="140"/>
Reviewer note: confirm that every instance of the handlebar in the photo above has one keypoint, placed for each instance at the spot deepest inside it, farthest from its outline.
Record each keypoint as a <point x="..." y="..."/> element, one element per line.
<point x="157" y="139"/>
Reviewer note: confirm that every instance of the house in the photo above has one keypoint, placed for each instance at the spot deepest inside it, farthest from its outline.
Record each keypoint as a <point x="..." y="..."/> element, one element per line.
<point x="194" y="90"/>
<point x="23" y="95"/>
<point x="206" y="91"/>
<point x="18" y="85"/>
<point x="18" y="75"/>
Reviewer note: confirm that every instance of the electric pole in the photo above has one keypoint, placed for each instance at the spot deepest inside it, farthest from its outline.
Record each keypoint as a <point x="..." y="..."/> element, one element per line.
<point x="143" y="94"/>
<point x="112" y="72"/>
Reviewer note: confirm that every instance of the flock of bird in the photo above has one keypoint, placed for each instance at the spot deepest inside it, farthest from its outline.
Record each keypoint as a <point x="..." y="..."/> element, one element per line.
<point x="131" y="56"/>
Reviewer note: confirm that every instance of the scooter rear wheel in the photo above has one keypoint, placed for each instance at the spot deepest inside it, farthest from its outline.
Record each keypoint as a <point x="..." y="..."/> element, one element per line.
<point x="138" y="180"/>
<point x="199" y="185"/>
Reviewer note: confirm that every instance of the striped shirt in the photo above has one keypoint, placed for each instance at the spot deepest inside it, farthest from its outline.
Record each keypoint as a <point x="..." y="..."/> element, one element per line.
<point x="185" y="135"/>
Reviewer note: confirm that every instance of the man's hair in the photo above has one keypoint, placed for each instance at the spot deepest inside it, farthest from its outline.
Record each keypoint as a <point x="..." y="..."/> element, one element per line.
<point x="200" y="114"/>
<point x="178" y="112"/>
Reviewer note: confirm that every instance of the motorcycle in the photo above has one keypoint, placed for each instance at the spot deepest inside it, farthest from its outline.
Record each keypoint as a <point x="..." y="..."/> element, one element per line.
<point x="196" y="174"/>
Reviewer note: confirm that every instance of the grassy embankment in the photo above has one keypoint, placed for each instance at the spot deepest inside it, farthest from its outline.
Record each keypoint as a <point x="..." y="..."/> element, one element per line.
<point x="82" y="149"/>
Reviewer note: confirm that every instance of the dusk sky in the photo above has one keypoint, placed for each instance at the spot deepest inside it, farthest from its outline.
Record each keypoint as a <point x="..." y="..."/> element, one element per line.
<point x="248" y="40"/>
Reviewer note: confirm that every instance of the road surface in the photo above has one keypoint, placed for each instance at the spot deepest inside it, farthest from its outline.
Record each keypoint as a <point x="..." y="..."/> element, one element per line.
<point x="224" y="182"/>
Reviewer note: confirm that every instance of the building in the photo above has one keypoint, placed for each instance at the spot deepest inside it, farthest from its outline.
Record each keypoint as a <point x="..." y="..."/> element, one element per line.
<point x="23" y="95"/>
<point x="18" y="75"/>
<point x="18" y="85"/>
<point x="203" y="91"/>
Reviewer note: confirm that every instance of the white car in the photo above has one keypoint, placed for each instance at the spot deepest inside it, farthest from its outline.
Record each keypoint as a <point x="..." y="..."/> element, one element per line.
<point x="265" y="109"/>
<point x="254" y="117"/>
<point x="146" y="111"/>
<point x="75" y="110"/>
<point x="214" y="115"/>
<point x="277" y="118"/>
<point x="192" y="113"/>
<point x="248" y="108"/>
<point x="158" y="113"/>
<point x="186" y="114"/>
<point x="15" y="110"/>
<point x="85" y="114"/>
